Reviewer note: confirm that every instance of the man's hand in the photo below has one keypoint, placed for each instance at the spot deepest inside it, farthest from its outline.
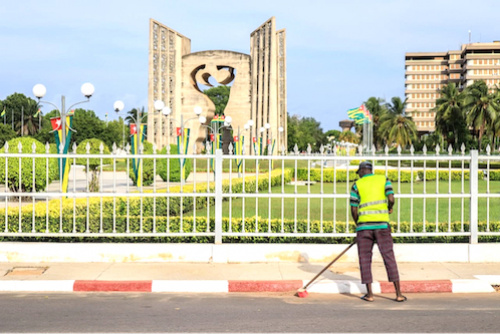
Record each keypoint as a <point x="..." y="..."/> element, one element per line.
<point x="390" y="203"/>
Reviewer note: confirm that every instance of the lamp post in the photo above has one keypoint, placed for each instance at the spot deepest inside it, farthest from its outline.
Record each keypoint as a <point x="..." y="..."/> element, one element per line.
<point x="246" y="127"/>
<point x="180" y="147"/>
<point x="118" y="106"/>
<point x="39" y="91"/>
<point x="167" y="111"/>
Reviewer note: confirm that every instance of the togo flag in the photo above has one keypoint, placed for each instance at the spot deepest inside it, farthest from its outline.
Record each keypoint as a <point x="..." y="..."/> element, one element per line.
<point x="137" y="138"/>
<point x="238" y="149"/>
<point x="64" y="163"/>
<point x="184" y="140"/>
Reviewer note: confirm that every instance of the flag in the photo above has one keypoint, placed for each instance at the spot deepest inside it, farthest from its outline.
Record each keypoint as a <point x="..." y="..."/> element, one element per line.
<point x="257" y="145"/>
<point x="71" y="112"/>
<point x="359" y="115"/>
<point x="64" y="163"/>
<point x="3" y="112"/>
<point x="184" y="140"/>
<point x="37" y="113"/>
<point x="137" y="138"/>
<point x="238" y="149"/>
<point x="366" y="112"/>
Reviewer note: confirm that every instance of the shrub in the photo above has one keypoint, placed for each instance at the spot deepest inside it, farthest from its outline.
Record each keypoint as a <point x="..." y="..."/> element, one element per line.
<point x="24" y="182"/>
<point x="456" y="175"/>
<point x="341" y="175"/>
<point x="172" y="166"/>
<point x="93" y="163"/>
<point x="54" y="172"/>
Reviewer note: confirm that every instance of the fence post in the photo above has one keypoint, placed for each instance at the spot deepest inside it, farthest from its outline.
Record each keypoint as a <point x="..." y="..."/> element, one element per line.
<point x="473" y="182"/>
<point x="218" y="196"/>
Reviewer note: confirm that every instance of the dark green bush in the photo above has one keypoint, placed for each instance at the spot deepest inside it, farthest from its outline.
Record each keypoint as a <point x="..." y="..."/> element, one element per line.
<point x="165" y="165"/>
<point x="24" y="182"/>
<point x="93" y="164"/>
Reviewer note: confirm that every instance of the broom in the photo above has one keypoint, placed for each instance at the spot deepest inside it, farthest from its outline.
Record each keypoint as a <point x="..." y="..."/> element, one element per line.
<point x="302" y="292"/>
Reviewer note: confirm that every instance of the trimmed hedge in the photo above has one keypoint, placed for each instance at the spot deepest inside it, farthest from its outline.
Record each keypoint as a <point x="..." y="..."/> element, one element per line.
<point x="341" y="175"/>
<point x="173" y="225"/>
<point x="404" y="176"/>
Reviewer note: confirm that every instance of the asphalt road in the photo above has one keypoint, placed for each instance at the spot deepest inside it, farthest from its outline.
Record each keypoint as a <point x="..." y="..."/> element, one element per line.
<point x="250" y="313"/>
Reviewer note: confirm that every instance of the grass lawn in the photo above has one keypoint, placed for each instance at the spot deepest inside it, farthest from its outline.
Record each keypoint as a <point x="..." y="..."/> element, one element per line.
<point x="338" y="209"/>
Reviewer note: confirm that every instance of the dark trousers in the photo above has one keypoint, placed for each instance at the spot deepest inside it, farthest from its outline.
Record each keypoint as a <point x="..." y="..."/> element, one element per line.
<point x="365" y="240"/>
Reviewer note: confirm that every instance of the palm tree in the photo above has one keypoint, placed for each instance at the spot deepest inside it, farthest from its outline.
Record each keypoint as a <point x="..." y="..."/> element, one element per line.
<point x="133" y="114"/>
<point x="481" y="107"/>
<point x="496" y="124"/>
<point x="28" y="125"/>
<point x="450" y="117"/>
<point x="395" y="126"/>
<point x="377" y="109"/>
<point x="348" y="137"/>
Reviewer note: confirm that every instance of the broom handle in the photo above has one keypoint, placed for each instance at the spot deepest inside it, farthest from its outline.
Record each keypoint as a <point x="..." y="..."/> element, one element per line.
<point x="329" y="264"/>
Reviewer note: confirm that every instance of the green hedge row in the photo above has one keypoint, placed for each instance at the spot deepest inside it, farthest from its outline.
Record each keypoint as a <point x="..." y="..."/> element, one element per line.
<point x="404" y="176"/>
<point x="173" y="225"/>
<point x="341" y="175"/>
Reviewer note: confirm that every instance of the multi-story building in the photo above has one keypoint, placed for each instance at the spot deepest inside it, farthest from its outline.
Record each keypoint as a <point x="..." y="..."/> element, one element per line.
<point x="428" y="72"/>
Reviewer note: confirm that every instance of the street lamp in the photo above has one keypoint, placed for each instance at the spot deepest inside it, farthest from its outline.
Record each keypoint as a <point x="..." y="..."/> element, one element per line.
<point x="227" y="123"/>
<point x="181" y="149"/>
<point x="158" y="105"/>
<point x="118" y="106"/>
<point x="39" y="91"/>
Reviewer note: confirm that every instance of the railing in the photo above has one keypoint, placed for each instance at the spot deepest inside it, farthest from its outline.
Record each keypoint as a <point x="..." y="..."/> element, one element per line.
<point x="451" y="194"/>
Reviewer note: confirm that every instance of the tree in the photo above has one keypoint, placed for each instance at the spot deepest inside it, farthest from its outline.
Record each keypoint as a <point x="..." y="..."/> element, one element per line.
<point x="135" y="115"/>
<point x="450" y="118"/>
<point x="395" y="126"/>
<point x="303" y="132"/>
<point x="481" y="108"/>
<point x="348" y="137"/>
<point x="292" y="131"/>
<point x="6" y="134"/>
<point x="378" y="109"/>
<point x="219" y="96"/>
<point x="20" y="111"/>
<point x="87" y="126"/>
<point x="115" y="133"/>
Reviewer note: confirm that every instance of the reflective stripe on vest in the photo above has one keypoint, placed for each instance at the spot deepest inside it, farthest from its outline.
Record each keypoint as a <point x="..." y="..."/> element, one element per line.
<point x="373" y="201"/>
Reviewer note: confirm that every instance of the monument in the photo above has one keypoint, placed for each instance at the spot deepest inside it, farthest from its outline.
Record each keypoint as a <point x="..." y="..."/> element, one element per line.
<point x="258" y="87"/>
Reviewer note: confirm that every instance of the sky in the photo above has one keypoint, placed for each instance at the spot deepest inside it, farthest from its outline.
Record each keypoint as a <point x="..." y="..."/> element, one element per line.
<point x="339" y="53"/>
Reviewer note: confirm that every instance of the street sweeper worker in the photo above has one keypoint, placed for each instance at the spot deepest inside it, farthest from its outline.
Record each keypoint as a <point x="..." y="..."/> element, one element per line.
<point x="372" y="200"/>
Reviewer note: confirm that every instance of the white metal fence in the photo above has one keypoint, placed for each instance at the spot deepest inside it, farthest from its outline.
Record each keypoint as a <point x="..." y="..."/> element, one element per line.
<point x="438" y="194"/>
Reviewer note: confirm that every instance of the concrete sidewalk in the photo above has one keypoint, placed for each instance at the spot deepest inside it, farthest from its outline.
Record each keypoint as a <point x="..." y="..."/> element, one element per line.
<point x="217" y="277"/>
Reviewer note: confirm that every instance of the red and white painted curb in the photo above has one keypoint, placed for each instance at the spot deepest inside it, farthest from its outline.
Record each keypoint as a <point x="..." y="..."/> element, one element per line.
<point x="217" y="286"/>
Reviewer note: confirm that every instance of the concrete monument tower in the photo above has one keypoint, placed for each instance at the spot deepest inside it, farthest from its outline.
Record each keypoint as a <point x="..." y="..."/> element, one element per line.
<point x="258" y="86"/>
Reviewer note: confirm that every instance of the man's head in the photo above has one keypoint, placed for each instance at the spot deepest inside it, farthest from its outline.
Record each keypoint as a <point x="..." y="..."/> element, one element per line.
<point x="365" y="167"/>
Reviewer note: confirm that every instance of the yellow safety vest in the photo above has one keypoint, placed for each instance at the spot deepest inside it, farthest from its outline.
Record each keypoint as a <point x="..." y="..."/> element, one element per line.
<point x="373" y="205"/>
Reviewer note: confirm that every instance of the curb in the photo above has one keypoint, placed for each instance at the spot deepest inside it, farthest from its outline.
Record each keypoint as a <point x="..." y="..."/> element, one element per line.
<point x="226" y="286"/>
